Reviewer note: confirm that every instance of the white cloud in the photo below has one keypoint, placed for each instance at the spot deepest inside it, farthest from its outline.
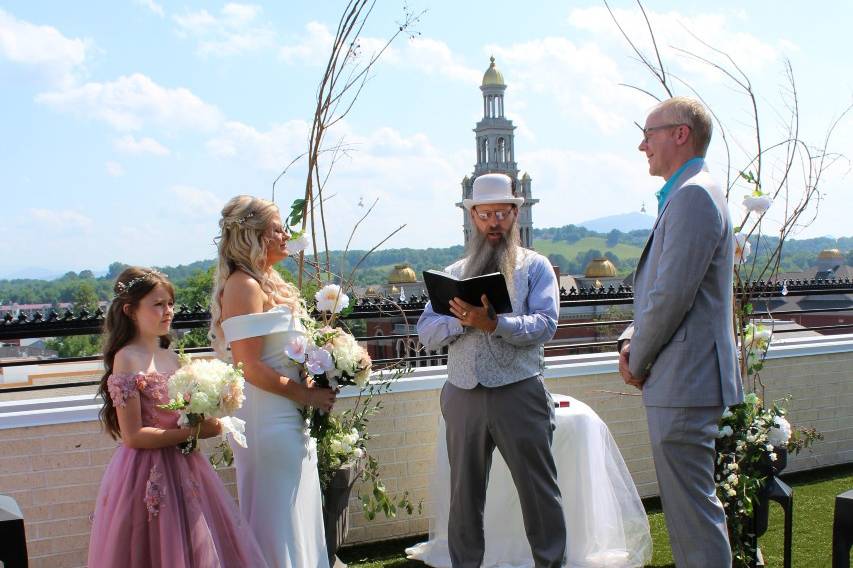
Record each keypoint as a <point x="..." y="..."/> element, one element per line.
<point x="581" y="79"/>
<point x="61" y="221"/>
<point x="561" y="174"/>
<point x="232" y="32"/>
<point x="425" y="55"/>
<point x="435" y="57"/>
<point x="271" y="150"/>
<point x="312" y="49"/>
<point x="194" y="202"/>
<point x="114" y="169"/>
<point x="54" y="57"/>
<point x="153" y="6"/>
<point x="677" y="29"/>
<point x="130" y="145"/>
<point x="131" y="102"/>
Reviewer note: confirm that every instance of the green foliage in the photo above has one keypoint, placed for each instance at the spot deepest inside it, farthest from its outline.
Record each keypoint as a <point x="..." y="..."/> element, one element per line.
<point x="344" y="438"/>
<point x="567" y="247"/>
<point x="75" y="345"/>
<point x="751" y="436"/>
<point x="195" y="289"/>
<point x="297" y="212"/>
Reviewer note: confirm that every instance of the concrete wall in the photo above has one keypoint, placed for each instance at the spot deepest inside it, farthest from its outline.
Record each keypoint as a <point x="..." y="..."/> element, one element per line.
<point x="53" y="454"/>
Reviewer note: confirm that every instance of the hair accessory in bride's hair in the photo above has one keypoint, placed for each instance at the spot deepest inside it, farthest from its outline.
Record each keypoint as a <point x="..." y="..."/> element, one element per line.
<point x="124" y="287"/>
<point x="244" y="218"/>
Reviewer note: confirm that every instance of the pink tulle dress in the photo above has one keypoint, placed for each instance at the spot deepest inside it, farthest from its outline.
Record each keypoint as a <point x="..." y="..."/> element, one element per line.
<point x="160" y="508"/>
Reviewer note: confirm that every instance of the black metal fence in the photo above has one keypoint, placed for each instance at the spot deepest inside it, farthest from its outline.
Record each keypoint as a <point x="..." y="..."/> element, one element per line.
<point x="575" y="307"/>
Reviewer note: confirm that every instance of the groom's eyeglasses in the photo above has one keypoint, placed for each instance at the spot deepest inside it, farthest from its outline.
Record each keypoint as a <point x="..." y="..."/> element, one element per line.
<point x="648" y="130"/>
<point x="499" y="215"/>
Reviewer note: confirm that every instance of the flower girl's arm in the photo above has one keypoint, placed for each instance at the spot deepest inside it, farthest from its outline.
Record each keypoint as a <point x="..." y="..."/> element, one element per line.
<point x="135" y="435"/>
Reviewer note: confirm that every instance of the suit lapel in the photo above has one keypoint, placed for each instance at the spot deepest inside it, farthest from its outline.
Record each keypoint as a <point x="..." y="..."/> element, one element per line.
<point x="685" y="176"/>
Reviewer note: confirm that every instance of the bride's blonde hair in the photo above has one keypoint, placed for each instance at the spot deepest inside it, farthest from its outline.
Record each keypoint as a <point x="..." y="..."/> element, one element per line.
<point x="242" y="245"/>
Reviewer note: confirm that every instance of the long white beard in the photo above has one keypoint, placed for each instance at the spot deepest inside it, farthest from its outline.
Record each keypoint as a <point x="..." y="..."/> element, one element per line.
<point x="482" y="257"/>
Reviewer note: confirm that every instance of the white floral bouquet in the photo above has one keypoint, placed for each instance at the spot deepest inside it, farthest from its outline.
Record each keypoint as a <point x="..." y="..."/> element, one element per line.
<point x="752" y="443"/>
<point x="203" y="389"/>
<point x="337" y="447"/>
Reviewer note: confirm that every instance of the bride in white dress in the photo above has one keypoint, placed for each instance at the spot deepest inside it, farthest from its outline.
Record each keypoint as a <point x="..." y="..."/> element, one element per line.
<point x="255" y="313"/>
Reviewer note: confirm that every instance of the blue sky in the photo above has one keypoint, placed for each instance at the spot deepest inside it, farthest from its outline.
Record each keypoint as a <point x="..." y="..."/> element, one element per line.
<point x="127" y="124"/>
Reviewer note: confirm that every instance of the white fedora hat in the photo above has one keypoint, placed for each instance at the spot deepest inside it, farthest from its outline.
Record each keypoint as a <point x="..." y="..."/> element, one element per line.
<point x="492" y="188"/>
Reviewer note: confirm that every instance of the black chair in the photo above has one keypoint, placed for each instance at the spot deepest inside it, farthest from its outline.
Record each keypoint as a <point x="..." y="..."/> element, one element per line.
<point x="779" y="491"/>
<point x="13" y="540"/>
<point x="842" y="530"/>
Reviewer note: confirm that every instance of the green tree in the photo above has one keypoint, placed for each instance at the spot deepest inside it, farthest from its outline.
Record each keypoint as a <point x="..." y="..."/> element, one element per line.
<point x="613" y="238"/>
<point x="75" y="345"/>
<point x="84" y="297"/>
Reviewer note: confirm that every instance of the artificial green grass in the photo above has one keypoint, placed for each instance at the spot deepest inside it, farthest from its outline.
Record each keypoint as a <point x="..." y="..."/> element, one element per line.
<point x="814" y="506"/>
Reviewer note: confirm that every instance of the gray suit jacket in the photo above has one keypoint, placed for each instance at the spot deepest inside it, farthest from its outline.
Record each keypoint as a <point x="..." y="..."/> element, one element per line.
<point x="682" y="334"/>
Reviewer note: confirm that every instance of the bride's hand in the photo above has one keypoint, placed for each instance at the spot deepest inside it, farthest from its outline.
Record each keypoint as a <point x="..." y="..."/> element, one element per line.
<point x="319" y="397"/>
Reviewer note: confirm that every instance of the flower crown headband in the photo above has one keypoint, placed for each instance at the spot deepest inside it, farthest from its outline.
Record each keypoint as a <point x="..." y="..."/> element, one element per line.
<point x="125" y="287"/>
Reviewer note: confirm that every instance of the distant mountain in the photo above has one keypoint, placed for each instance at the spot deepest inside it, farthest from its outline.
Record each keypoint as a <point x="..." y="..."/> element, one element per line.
<point x="625" y="222"/>
<point x="32" y="273"/>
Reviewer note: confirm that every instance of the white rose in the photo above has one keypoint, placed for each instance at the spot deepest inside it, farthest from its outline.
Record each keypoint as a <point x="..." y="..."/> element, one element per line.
<point x="732" y="492"/>
<point x="725" y="431"/>
<point x="758" y="204"/>
<point x="742" y="248"/>
<point x="780" y="433"/>
<point x="297" y="245"/>
<point x="330" y="298"/>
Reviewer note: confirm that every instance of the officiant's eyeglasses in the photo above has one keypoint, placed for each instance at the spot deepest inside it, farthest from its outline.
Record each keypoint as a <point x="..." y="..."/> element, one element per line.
<point x="499" y="215"/>
<point x="650" y="129"/>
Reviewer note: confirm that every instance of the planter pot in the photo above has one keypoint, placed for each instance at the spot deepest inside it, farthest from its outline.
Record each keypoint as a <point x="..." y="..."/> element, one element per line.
<point x="336" y="507"/>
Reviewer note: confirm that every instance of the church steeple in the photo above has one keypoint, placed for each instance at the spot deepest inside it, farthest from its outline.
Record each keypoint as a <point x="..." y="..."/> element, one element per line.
<point x="495" y="138"/>
<point x="495" y="143"/>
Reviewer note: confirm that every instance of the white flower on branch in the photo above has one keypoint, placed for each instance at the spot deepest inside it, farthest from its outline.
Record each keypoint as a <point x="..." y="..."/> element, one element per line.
<point x="297" y="244"/>
<point x="725" y="431"/>
<point x="757" y="203"/>
<point x="330" y="298"/>
<point x="742" y="248"/>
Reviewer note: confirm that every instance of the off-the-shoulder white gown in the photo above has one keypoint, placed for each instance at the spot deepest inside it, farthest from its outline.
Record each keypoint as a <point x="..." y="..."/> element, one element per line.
<point x="277" y="480"/>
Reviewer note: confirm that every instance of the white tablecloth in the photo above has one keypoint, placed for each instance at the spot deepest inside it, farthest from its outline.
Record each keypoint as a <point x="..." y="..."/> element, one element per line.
<point x="605" y="520"/>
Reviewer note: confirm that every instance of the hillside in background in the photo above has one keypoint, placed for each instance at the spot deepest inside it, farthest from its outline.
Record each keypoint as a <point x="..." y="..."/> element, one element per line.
<point x="626" y="223"/>
<point x="570" y="247"/>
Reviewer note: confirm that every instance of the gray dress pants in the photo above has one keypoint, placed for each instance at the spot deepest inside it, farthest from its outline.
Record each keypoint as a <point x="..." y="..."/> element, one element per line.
<point x="519" y="420"/>
<point x="683" y="448"/>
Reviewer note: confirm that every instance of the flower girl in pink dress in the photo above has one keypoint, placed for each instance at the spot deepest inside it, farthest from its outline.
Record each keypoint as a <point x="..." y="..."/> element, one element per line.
<point x="156" y="506"/>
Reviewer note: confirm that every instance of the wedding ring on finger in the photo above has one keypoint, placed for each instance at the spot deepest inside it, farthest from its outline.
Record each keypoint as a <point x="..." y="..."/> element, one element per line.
<point x="464" y="314"/>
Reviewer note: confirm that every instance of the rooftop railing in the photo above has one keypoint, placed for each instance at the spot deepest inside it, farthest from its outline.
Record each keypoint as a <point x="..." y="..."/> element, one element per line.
<point x="575" y="304"/>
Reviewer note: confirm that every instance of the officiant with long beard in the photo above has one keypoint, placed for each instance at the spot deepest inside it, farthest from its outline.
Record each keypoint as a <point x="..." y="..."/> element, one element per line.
<point x="495" y="395"/>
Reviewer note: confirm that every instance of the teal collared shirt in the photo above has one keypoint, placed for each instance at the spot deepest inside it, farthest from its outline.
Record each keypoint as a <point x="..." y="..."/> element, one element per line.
<point x="663" y="192"/>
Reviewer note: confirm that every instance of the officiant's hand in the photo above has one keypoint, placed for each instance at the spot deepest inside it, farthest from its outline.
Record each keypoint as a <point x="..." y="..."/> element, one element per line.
<point x="480" y="317"/>
<point x="630" y="379"/>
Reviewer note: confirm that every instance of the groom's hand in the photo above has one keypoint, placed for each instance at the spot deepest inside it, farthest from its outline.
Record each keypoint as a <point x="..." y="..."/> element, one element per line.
<point x="480" y="317"/>
<point x="624" y="355"/>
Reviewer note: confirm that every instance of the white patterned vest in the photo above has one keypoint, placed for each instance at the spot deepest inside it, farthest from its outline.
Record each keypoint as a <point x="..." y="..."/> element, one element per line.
<point x="478" y="357"/>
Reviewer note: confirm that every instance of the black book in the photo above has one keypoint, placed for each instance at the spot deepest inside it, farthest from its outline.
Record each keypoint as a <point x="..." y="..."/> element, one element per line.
<point x="443" y="287"/>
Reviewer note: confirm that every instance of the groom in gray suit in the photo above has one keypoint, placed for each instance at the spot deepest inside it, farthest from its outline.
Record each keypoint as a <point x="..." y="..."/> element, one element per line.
<point x="680" y="349"/>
